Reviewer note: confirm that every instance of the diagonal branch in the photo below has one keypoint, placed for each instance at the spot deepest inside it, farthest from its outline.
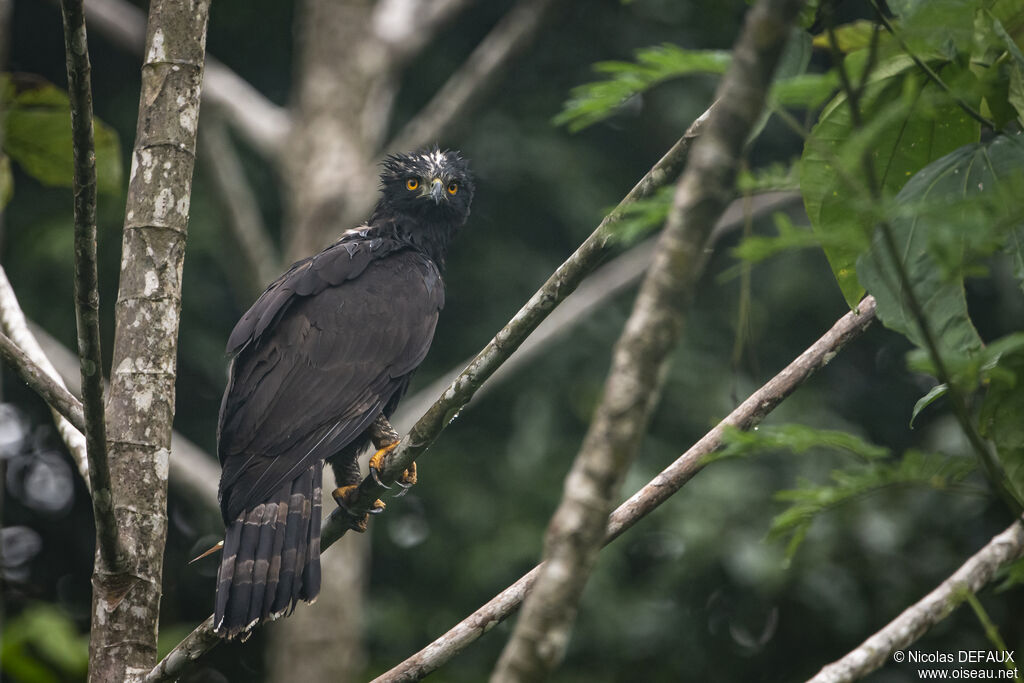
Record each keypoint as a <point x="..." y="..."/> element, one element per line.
<point x="560" y="285"/>
<point x="748" y="414"/>
<point x="87" y="298"/>
<point x="915" y="621"/>
<point x="13" y="325"/>
<point x="54" y="393"/>
<point x="640" y="359"/>
<point x="481" y="69"/>
<point x="263" y="124"/>
<point x="605" y="283"/>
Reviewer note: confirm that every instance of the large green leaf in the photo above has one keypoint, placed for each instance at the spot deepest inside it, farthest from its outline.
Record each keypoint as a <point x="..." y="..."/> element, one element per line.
<point x="953" y="212"/>
<point x="909" y="122"/>
<point x="37" y="135"/>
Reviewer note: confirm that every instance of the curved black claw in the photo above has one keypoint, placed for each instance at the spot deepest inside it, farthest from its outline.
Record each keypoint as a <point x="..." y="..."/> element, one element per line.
<point x="376" y="478"/>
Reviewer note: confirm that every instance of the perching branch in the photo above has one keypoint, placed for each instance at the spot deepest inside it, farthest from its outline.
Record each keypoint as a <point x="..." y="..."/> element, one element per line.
<point x="639" y="361"/>
<point x="87" y="298"/>
<point x="140" y="408"/>
<point x="605" y="283"/>
<point x="262" y="263"/>
<point x="748" y="414"/>
<point x="13" y="325"/>
<point x="262" y="124"/>
<point x="557" y="288"/>
<point x="55" y="395"/>
<point x="481" y="68"/>
<point x="560" y="285"/>
<point x="915" y="621"/>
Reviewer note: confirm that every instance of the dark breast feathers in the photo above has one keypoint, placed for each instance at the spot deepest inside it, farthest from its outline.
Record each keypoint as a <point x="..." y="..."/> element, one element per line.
<point x="319" y="356"/>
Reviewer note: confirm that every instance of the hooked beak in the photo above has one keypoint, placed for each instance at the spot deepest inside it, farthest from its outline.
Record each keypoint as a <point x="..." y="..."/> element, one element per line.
<point x="436" y="190"/>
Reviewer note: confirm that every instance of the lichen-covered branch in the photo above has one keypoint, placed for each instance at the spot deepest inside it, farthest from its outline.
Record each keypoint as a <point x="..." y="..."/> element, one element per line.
<point x="140" y="408"/>
<point x="470" y="81"/>
<point x="915" y="621"/>
<point x="262" y="124"/>
<point x="748" y="414"/>
<point x="14" y="325"/>
<point x="87" y="298"/>
<point x="55" y="395"/>
<point x="560" y="285"/>
<point x="639" y="361"/>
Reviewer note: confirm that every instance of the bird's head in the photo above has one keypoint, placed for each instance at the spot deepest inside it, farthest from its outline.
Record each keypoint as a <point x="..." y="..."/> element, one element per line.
<point x="433" y="184"/>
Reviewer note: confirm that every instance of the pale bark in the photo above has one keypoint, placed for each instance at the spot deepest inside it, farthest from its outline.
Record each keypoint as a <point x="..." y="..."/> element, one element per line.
<point x="746" y="416"/>
<point x="917" y="619"/>
<point x="639" y="361"/>
<point x="140" y="407"/>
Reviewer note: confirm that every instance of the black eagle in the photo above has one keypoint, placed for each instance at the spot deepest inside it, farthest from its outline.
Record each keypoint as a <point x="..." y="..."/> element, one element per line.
<point x="328" y="348"/>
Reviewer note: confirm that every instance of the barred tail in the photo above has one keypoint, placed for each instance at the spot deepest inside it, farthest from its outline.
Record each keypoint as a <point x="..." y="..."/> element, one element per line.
<point x="271" y="557"/>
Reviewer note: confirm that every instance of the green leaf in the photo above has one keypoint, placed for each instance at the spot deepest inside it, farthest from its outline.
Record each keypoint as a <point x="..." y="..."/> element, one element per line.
<point x="958" y="208"/>
<point x="937" y="392"/>
<point x="777" y="177"/>
<point x="909" y="123"/>
<point x="1001" y="418"/>
<point x="37" y="135"/>
<point x="792" y="63"/>
<point x="593" y="102"/>
<point x="931" y="470"/>
<point x="795" y="438"/>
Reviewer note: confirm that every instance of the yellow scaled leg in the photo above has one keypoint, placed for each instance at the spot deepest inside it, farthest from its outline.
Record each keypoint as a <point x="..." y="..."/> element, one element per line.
<point x="343" y="496"/>
<point x="408" y="477"/>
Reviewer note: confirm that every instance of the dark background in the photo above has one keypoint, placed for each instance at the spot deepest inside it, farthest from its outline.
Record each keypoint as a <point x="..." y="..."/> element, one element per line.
<point x="694" y="592"/>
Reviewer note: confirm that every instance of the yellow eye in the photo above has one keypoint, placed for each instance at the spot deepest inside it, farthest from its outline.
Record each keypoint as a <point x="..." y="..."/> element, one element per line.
<point x="453" y="188"/>
<point x="412" y="183"/>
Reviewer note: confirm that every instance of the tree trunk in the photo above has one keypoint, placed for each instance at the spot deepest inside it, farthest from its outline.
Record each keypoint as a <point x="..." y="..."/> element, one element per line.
<point x="140" y="406"/>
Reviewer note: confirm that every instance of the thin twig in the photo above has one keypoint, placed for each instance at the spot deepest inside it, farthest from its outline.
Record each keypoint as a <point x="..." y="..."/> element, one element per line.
<point x="915" y="621"/>
<point x="560" y="285"/>
<point x="484" y="65"/>
<point x="747" y="415"/>
<point x="55" y="395"/>
<point x="641" y="356"/>
<point x="87" y="298"/>
<point x="14" y="325"/>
